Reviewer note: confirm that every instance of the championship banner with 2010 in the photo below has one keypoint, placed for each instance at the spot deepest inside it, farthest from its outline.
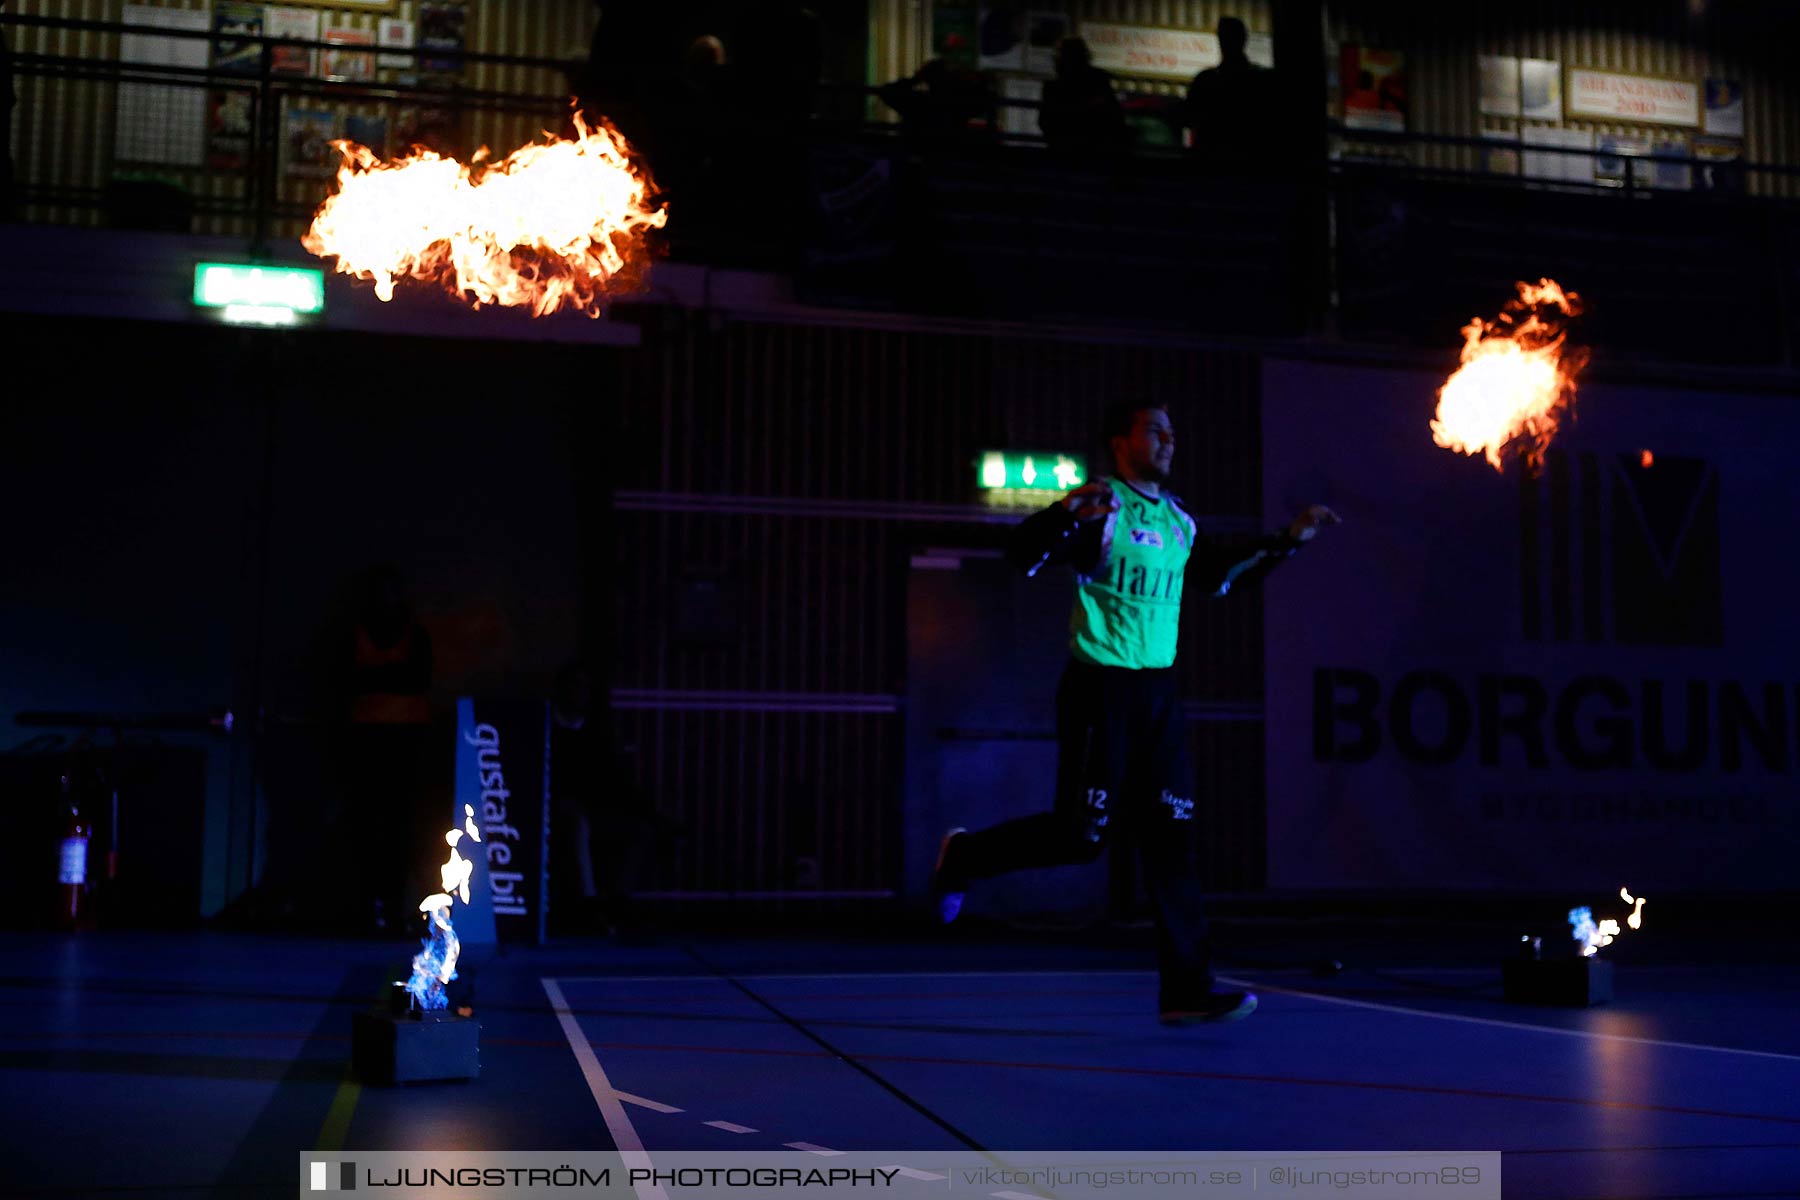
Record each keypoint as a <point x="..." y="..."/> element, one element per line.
<point x="1578" y="677"/>
<point x="503" y="776"/>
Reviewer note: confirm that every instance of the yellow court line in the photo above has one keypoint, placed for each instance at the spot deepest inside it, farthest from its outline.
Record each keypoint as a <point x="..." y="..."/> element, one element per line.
<point x="337" y="1117"/>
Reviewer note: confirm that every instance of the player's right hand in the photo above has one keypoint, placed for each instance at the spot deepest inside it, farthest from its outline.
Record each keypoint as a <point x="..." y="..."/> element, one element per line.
<point x="1090" y="501"/>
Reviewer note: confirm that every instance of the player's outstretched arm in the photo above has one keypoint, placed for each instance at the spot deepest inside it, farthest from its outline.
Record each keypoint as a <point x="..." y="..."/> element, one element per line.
<point x="1066" y="531"/>
<point x="1217" y="569"/>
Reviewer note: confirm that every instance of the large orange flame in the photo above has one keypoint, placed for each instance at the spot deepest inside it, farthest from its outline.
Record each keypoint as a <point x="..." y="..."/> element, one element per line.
<point x="556" y="224"/>
<point x="1517" y="378"/>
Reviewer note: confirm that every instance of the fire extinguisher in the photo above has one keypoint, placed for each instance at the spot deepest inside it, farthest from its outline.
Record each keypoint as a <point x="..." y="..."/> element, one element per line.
<point x="72" y="880"/>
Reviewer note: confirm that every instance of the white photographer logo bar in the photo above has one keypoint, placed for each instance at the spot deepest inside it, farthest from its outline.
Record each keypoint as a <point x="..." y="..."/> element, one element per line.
<point x="331" y="1177"/>
<point x="796" y="1174"/>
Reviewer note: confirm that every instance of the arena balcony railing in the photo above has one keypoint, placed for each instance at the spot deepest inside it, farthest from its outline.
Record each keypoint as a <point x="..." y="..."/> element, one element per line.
<point x="1680" y="257"/>
<point x="863" y="212"/>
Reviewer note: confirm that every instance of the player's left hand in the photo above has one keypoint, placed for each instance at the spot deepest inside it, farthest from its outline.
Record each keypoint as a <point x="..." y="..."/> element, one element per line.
<point x="1311" y="518"/>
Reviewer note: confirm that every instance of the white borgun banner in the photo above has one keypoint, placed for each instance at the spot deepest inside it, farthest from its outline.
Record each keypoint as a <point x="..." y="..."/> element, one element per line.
<point x="1539" y="679"/>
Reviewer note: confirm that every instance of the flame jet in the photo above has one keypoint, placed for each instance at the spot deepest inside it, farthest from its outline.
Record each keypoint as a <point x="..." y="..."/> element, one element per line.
<point x="1592" y="935"/>
<point x="434" y="966"/>
<point x="1517" y="379"/>
<point x="553" y="225"/>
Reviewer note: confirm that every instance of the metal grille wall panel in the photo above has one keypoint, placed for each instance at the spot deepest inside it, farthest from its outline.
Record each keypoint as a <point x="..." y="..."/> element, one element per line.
<point x="774" y="802"/>
<point x="859" y="414"/>
<point x="773" y="481"/>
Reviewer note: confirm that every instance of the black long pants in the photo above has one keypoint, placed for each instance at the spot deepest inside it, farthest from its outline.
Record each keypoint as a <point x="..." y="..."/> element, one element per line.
<point x="1122" y="763"/>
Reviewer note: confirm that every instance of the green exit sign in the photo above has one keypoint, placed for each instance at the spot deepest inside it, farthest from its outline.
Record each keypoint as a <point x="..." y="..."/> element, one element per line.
<point x="259" y="295"/>
<point x="1029" y="471"/>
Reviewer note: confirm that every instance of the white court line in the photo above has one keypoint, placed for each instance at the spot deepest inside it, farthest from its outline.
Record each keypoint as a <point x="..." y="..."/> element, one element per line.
<point x="858" y="975"/>
<point x="1419" y="1012"/>
<point x="810" y="1148"/>
<point x="730" y="1127"/>
<point x="652" y="1105"/>
<point x="1016" y="1195"/>
<point x="631" y="1149"/>
<point x="1123" y="973"/>
<point x="1441" y="1016"/>
<point x="1638" y="969"/>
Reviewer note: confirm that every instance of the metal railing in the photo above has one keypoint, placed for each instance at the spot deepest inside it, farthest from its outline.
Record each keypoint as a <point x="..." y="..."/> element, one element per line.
<point x="252" y="181"/>
<point x="1597" y="169"/>
<point x="250" y="177"/>
<point x="263" y="178"/>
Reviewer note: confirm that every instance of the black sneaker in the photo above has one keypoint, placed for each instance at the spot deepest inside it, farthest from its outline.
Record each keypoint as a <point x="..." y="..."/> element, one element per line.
<point x="946" y="896"/>
<point x="1215" y="1008"/>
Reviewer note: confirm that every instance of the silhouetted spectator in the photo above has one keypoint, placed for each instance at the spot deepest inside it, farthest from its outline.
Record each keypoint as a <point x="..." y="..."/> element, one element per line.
<point x="1231" y="107"/>
<point x="939" y="103"/>
<point x="702" y="77"/>
<point x="777" y="52"/>
<point x="594" y="81"/>
<point x="776" y="58"/>
<point x="689" y="120"/>
<point x="615" y="83"/>
<point x="1081" y="113"/>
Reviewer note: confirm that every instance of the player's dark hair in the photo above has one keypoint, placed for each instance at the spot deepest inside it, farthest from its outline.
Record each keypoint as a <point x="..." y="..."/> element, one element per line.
<point x="1121" y="415"/>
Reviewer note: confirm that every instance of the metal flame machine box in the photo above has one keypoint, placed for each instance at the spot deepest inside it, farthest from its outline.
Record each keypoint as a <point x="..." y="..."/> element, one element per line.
<point x="1577" y="982"/>
<point x="415" y="1047"/>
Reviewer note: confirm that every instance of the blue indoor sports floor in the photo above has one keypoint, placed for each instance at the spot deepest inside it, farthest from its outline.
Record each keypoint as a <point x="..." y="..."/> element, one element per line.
<point x="139" y="1065"/>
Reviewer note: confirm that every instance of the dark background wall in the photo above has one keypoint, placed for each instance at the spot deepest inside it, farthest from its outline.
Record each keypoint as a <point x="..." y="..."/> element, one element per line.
<point x="189" y="505"/>
<point x="725" y="517"/>
<point x="777" y="481"/>
<point x="130" y="469"/>
<point x="724" y="520"/>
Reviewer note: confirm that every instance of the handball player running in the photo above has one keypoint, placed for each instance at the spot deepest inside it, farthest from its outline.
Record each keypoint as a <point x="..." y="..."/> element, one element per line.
<point x="1122" y="741"/>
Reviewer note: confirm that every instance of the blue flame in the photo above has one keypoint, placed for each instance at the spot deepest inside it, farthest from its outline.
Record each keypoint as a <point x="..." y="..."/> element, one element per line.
<point x="1585" y="932"/>
<point x="435" y="964"/>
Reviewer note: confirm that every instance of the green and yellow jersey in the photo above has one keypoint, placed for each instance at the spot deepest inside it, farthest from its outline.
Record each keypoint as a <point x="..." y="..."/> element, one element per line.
<point x="1132" y="567"/>
<point x="1128" y="603"/>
